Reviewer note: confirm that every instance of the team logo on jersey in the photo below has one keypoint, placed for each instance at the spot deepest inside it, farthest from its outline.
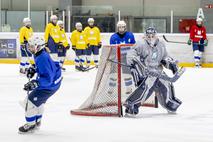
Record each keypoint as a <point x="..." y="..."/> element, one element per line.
<point x="81" y="37"/>
<point x="199" y="32"/>
<point x="55" y="30"/>
<point x="91" y="32"/>
<point x="154" y="55"/>
<point x="129" y="40"/>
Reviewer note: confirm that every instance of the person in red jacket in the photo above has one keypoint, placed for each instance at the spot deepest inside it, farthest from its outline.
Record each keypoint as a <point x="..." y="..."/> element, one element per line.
<point x="198" y="40"/>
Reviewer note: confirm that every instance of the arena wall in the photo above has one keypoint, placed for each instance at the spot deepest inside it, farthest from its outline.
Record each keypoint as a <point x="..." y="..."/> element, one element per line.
<point x="182" y="52"/>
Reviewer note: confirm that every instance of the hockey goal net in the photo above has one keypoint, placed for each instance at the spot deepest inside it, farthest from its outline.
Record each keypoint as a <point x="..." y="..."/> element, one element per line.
<point x="112" y="86"/>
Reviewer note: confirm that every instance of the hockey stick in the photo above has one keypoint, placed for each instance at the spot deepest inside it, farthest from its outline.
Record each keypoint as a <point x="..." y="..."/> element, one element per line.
<point x="164" y="37"/>
<point x="175" y="77"/>
<point x="173" y="41"/>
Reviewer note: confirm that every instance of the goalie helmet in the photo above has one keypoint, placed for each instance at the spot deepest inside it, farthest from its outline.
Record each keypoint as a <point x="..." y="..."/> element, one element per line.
<point x="121" y="27"/>
<point x="150" y="36"/>
<point x="27" y="21"/>
<point x="35" y="44"/>
<point x="78" y="26"/>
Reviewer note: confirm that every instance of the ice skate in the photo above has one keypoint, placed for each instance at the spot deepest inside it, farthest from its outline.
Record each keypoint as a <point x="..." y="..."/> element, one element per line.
<point x="27" y="128"/>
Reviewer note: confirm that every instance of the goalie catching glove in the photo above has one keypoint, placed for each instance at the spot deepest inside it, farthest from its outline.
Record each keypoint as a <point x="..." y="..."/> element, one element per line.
<point x="31" y="85"/>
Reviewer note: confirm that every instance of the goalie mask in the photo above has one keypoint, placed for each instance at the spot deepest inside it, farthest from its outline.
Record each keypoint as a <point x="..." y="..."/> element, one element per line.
<point x="121" y="27"/>
<point x="35" y="44"/>
<point x="150" y="36"/>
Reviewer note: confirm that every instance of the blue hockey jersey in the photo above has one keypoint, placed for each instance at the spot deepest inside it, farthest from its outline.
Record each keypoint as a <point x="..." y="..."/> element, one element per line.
<point x="48" y="72"/>
<point x="126" y="38"/>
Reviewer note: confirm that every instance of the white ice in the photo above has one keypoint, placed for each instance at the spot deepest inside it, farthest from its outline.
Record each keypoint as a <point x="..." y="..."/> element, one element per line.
<point x="192" y="123"/>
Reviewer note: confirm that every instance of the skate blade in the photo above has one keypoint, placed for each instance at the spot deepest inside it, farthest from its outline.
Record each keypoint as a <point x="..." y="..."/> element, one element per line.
<point x="25" y="133"/>
<point x="171" y="112"/>
<point x="130" y="115"/>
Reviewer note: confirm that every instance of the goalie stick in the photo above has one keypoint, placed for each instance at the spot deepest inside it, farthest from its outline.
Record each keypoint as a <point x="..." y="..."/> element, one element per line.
<point x="175" y="77"/>
<point x="180" y="42"/>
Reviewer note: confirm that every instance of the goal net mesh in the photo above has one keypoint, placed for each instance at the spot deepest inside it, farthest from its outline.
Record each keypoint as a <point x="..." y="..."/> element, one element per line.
<point x="113" y="84"/>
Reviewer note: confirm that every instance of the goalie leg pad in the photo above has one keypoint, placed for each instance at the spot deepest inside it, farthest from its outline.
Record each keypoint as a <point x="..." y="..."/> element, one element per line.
<point x="166" y="96"/>
<point x="140" y="95"/>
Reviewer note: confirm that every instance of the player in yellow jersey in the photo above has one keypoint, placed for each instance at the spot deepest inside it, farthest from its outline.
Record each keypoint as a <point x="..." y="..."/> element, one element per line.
<point x="52" y="37"/>
<point x="25" y="33"/>
<point x="94" y="39"/>
<point x="79" y="45"/>
<point x="63" y="44"/>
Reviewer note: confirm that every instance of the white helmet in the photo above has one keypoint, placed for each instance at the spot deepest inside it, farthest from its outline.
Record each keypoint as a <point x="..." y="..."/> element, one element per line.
<point x="37" y="43"/>
<point x="90" y="20"/>
<point x="60" y="23"/>
<point x="199" y="21"/>
<point x="78" y="26"/>
<point x="121" y="26"/>
<point x="27" y="21"/>
<point x="53" y="18"/>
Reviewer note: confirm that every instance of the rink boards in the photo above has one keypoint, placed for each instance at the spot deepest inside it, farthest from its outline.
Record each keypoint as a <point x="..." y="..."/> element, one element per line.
<point x="10" y="53"/>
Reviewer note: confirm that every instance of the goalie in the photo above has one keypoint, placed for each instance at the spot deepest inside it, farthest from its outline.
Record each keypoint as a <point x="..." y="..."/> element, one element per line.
<point x="147" y="57"/>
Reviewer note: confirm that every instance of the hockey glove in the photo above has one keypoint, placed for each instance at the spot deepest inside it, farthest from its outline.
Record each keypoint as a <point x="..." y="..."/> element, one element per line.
<point x="99" y="45"/>
<point x="31" y="71"/>
<point x="67" y="47"/>
<point x="73" y="48"/>
<point x="189" y="42"/>
<point x="31" y="85"/>
<point x="23" y="46"/>
<point x="170" y="63"/>
<point x="205" y="42"/>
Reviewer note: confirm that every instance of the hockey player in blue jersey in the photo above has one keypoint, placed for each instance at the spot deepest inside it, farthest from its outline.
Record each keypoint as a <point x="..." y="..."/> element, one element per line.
<point x="122" y="36"/>
<point x="47" y="82"/>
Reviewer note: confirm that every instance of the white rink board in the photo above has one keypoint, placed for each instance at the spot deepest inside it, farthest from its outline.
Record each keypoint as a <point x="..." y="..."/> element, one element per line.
<point x="181" y="52"/>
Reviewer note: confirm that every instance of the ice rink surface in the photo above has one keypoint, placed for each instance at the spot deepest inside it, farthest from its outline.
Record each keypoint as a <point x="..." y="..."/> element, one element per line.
<point x="192" y="123"/>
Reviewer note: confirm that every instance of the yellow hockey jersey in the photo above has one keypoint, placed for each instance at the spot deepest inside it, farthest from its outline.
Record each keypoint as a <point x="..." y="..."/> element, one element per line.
<point x="52" y="31"/>
<point x="93" y="35"/>
<point x="63" y="38"/>
<point x="24" y="34"/>
<point x="79" y="39"/>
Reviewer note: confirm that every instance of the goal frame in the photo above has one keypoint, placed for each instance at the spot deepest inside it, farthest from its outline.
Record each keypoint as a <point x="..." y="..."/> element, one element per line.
<point x="84" y="112"/>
